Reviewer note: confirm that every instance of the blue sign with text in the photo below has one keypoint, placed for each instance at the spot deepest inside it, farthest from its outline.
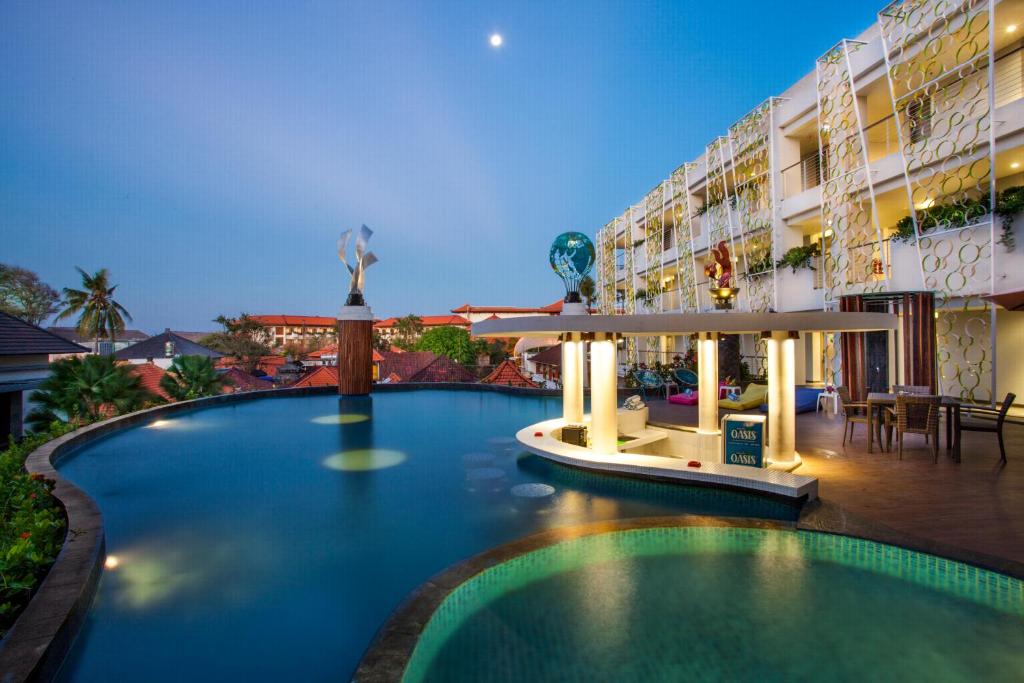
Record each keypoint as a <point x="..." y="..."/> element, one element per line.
<point x="743" y="440"/>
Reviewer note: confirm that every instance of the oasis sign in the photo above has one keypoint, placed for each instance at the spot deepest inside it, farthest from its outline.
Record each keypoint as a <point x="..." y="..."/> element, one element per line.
<point x="743" y="440"/>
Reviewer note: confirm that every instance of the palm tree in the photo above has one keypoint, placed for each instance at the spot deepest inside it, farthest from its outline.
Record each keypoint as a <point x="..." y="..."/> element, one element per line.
<point x="100" y="316"/>
<point x="588" y="290"/>
<point x="191" y="377"/>
<point x="87" y="388"/>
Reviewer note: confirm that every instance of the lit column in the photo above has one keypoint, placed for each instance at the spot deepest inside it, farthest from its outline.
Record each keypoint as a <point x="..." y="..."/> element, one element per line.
<point x="781" y="397"/>
<point x="572" y="378"/>
<point x="707" y="387"/>
<point x="604" y="398"/>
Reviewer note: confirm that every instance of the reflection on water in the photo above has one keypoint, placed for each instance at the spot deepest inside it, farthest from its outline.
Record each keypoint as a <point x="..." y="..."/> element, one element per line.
<point x="364" y="459"/>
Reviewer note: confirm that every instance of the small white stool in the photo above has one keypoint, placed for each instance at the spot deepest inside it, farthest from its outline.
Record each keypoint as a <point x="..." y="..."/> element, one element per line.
<point x="832" y="398"/>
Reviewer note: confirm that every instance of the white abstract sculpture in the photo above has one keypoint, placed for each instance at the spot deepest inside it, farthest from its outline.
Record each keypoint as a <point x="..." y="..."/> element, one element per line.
<point x="364" y="259"/>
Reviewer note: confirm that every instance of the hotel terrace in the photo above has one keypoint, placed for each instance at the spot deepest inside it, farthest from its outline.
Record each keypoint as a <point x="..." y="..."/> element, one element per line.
<point x="866" y="185"/>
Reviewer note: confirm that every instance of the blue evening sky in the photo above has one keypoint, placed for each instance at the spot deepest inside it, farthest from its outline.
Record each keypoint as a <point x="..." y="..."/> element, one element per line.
<point x="209" y="153"/>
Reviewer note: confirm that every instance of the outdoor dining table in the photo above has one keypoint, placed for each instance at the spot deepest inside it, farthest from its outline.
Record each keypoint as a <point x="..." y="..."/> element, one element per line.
<point x="878" y="401"/>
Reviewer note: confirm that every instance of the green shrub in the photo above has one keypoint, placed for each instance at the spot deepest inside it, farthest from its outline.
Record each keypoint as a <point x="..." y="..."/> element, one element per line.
<point x="33" y="526"/>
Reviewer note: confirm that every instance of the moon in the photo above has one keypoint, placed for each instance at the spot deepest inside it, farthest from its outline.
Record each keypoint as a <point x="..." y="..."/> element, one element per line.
<point x="496" y="40"/>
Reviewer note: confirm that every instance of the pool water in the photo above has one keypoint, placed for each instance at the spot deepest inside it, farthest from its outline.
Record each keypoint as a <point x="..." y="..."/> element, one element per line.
<point x="270" y="539"/>
<point x="725" y="604"/>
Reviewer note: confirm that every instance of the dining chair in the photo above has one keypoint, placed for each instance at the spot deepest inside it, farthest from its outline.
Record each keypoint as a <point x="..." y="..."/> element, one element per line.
<point x="914" y="414"/>
<point x="854" y="412"/>
<point x="996" y="427"/>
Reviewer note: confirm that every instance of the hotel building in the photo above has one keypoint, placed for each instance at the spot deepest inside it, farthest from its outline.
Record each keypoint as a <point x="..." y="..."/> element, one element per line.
<point x="867" y="185"/>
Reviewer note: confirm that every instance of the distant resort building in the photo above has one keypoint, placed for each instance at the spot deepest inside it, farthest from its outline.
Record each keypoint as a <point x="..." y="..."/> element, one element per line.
<point x="163" y="348"/>
<point x="475" y="314"/>
<point x="298" y="329"/>
<point x="388" y="328"/>
<point x="25" y="352"/>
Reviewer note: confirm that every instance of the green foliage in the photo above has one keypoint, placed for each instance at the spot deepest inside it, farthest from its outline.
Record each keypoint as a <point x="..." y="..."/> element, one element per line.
<point x="244" y="339"/>
<point x="409" y="329"/>
<point x="25" y="296"/>
<point x="32" y="530"/>
<point x="800" y="257"/>
<point x="192" y="377"/>
<point x="450" y="341"/>
<point x="965" y="212"/>
<point x="87" y="388"/>
<point x="99" y="316"/>
<point x="588" y="290"/>
<point x="380" y="342"/>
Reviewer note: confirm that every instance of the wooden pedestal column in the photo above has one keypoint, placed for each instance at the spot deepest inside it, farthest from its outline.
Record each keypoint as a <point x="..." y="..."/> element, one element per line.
<point x="355" y="351"/>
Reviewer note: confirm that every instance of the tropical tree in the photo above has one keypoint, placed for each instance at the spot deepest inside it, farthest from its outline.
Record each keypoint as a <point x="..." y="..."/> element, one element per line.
<point x="453" y="342"/>
<point x="380" y="342"/>
<point x="81" y="389"/>
<point x="25" y="296"/>
<point x="191" y="377"/>
<point x="99" y="316"/>
<point x="243" y="338"/>
<point x="408" y="329"/>
<point x="588" y="290"/>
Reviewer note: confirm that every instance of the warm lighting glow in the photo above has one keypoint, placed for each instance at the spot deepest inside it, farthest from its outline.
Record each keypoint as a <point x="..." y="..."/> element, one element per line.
<point x="926" y="204"/>
<point x="572" y="381"/>
<point x="828" y="233"/>
<point x="158" y="424"/>
<point x="1015" y="164"/>
<point x="603" y="396"/>
<point x="1012" y="28"/>
<point x="496" y="40"/>
<point x="111" y="562"/>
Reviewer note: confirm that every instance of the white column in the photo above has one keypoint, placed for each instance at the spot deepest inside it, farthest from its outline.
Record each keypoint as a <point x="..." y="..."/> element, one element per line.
<point x="604" y="398"/>
<point x="572" y="378"/>
<point x="707" y="387"/>
<point x="781" y="398"/>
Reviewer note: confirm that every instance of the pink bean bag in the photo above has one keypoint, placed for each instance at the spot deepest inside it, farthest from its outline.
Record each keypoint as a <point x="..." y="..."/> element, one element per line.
<point x="689" y="399"/>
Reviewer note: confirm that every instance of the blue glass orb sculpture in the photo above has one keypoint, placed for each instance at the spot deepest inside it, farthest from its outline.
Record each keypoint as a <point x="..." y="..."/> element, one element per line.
<point x="572" y="256"/>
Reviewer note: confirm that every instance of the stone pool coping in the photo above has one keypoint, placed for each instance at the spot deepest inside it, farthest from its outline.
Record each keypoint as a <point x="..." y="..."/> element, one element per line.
<point x="388" y="655"/>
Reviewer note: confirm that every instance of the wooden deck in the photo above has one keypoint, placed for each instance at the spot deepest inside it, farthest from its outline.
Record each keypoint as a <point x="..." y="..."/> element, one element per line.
<point x="976" y="505"/>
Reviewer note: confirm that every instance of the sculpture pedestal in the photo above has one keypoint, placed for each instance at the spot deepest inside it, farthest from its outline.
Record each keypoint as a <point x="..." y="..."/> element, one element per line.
<point x="574" y="309"/>
<point x="355" y="350"/>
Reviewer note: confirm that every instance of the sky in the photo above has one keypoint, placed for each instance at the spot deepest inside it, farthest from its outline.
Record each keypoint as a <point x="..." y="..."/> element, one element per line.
<point x="209" y="154"/>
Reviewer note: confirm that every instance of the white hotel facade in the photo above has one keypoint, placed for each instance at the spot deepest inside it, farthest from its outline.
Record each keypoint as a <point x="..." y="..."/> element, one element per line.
<point x="851" y="167"/>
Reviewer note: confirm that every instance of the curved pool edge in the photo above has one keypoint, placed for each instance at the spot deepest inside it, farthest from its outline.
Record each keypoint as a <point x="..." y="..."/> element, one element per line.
<point x="36" y="645"/>
<point x="391" y="649"/>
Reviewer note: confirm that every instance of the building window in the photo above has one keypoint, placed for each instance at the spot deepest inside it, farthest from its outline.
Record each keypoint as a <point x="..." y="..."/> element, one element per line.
<point x="919" y="118"/>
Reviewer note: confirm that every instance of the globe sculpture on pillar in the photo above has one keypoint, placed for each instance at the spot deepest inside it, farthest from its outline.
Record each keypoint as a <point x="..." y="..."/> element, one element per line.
<point x="355" y="322"/>
<point x="572" y="256"/>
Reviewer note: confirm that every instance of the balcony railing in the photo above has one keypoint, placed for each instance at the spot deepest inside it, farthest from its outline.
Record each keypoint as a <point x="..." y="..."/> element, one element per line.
<point x="803" y="175"/>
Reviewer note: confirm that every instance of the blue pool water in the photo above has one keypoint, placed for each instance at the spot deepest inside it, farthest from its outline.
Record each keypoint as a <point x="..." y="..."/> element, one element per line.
<point x="725" y="604"/>
<point x="269" y="539"/>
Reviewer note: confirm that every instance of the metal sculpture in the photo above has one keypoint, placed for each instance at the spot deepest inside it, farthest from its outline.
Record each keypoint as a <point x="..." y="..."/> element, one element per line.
<point x="572" y="256"/>
<point x="719" y="274"/>
<point x="364" y="259"/>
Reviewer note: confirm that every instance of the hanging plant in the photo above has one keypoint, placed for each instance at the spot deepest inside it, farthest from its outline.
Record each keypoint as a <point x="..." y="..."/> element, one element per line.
<point x="965" y="212"/>
<point x="800" y="257"/>
<point x="1009" y="203"/>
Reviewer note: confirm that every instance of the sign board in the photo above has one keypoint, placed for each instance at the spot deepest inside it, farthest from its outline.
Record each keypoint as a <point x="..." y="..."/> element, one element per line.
<point x="743" y="440"/>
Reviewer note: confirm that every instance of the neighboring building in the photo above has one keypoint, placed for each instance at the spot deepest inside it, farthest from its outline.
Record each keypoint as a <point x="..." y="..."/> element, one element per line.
<point x="150" y="375"/>
<point x="475" y="314"/>
<point x="196" y="337"/>
<point x="507" y="374"/>
<point x="106" y="347"/>
<point x="840" y="193"/>
<point x="323" y="376"/>
<point x="422" y="366"/>
<point x="388" y="327"/>
<point x="297" y="329"/>
<point x="239" y="380"/>
<point x="548" y="363"/>
<point x="24" y="363"/>
<point x="162" y="349"/>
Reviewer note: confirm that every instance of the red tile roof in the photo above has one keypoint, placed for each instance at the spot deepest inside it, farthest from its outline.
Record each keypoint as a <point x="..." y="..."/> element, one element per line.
<point x="296" y="320"/>
<point x="428" y="321"/>
<point x="333" y="351"/>
<point x="468" y="308"/>
<point x="508" y="374"/>
<point x="239" y="380"/>
<point x="149" y="375"/>
<point x="424" y="366"/>
<point x="324" y="376"/>
<point x="550" y="356"/>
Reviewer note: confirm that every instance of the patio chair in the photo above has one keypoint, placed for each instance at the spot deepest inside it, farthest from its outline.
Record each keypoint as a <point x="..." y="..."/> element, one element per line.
<point x="753" y="396"/>
<point x="914" y="414"/>
<point x="996" y="427"/>
<point x="687" y="379"/>
<point x="911" y="389"/>
<point x="648" y="380"/>
<point x="854" y="412"/>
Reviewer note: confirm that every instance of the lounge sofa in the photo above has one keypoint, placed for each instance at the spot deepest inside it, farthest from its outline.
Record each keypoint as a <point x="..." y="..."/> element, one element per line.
<point x="752" y="397"/>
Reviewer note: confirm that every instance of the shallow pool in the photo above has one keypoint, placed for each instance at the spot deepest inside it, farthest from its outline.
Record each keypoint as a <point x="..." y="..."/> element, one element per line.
<point x="269" y="539"/>
<point x="725" y="604"/>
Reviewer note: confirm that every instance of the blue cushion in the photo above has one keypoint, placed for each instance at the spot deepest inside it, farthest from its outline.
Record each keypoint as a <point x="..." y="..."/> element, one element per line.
<point x="805" y="400"/>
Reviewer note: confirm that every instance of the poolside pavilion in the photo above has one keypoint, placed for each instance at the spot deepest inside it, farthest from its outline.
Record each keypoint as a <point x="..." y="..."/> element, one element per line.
<point x="604" y="332"/>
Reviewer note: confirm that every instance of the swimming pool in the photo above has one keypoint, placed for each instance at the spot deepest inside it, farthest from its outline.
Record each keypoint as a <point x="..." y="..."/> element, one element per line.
<point x="270" y="539"/>
<point x="725" y="603"/>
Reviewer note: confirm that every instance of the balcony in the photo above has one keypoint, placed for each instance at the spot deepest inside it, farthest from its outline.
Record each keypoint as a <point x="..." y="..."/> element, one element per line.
<point x="801" y="176"/>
